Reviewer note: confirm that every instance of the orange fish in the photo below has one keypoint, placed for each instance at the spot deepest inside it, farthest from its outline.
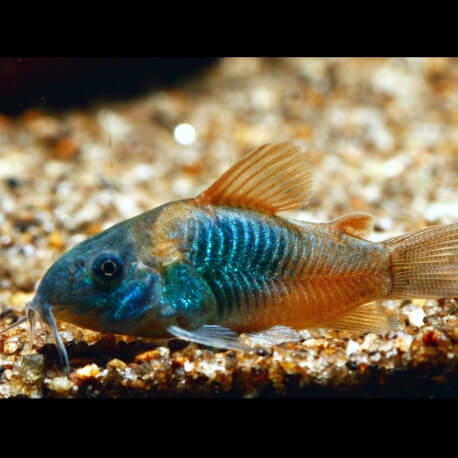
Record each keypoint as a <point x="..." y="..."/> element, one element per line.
<point x="208" y="268"/>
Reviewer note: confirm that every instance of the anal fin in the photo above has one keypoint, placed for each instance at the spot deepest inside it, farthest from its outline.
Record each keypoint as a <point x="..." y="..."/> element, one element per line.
<point x="371" y="317"/>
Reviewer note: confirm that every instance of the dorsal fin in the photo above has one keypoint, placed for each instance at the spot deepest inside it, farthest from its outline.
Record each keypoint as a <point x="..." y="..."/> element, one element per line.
<point x="270" y="179"/>
<point x="356" y="224"/>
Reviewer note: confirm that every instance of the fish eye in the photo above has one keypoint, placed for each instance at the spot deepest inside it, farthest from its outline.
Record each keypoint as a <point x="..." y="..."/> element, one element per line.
<point x="107" y="267"/>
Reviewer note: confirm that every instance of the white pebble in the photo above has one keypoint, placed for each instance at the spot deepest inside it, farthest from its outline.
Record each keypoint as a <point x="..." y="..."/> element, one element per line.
<point x="416" y="317"/>
<point x="59" y="384"/>
<point x="438" y="210"/>
<point x="10" y="346"/>
<point x="7" y="205"/>
<point x="126" y="206"/>
<point x="394" y="82"/>
<point x="182" y="186"/>
<point x="142" y="172"/>
<point x="385" y="223"/>
<point x="114" y="125"/>
<point x="188" y="366"/>
<point x="263" y="98"/>
<point x="352" y="347"/>
<point x="372" y="193"/>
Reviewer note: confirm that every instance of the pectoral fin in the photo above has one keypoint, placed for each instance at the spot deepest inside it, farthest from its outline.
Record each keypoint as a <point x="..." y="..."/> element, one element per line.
<point x="211" y="335"/>
<point x="219" y="337"/>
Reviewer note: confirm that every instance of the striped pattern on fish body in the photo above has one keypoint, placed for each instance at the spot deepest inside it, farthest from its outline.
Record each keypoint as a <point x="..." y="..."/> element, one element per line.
<point x="265" y="270"/>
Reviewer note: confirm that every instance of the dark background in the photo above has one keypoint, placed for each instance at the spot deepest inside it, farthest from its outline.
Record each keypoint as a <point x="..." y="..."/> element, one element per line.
<point x="65" y="82"/>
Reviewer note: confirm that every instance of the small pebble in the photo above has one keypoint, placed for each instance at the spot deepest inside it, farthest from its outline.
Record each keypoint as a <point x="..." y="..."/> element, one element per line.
<point x="55" y="240"/>
<point x="116" y="364"/>
<point x="11" y="346"/>
<point x="88" y="371"/>
<point x="416" y="317"/>
<point x="30" y="367"/>
<point x="65" y="149"/>
<point x="59" y="384"/>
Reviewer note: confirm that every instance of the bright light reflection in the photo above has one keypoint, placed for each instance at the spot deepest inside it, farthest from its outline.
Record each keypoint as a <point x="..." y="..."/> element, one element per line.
<point x="184" y="134"/>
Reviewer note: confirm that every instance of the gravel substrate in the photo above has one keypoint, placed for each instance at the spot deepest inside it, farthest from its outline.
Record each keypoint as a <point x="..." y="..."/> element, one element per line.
<point x="382" y="135"/>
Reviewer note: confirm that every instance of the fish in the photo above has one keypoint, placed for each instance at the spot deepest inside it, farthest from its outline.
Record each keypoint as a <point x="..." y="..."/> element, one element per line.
<point x="227" y="262"/>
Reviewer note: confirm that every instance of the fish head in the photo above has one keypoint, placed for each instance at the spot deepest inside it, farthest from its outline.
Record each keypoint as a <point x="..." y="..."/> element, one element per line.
<point x="104" y="283"/>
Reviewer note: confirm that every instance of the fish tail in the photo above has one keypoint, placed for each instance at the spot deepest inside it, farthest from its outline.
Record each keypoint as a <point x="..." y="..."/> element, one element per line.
<point x="425" y="263"/>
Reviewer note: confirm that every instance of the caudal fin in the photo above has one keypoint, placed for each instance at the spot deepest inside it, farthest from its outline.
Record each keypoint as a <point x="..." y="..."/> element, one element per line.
<point x="425" y="263"/>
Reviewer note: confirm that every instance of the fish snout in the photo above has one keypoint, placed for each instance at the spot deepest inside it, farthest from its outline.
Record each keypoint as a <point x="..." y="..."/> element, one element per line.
<point x="59" y="283"/>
